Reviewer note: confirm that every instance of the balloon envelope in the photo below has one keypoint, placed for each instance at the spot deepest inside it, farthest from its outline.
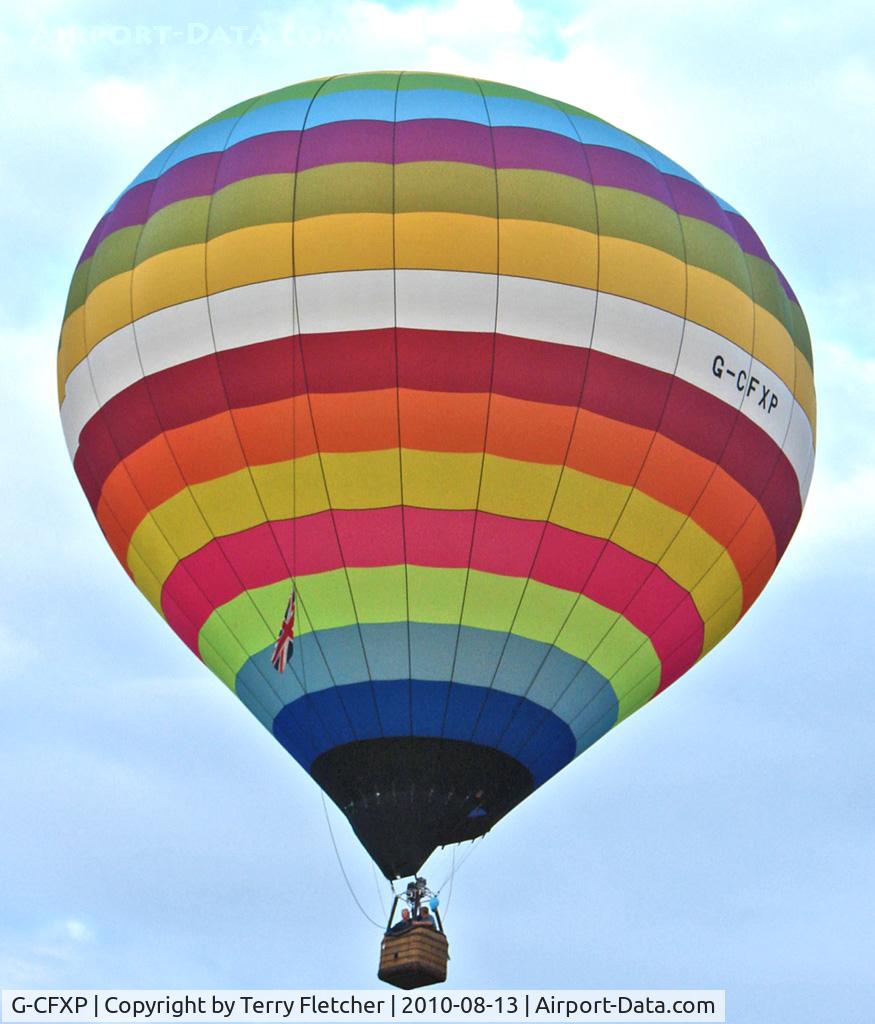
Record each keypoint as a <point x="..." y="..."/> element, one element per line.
<point x="523" y="412"/>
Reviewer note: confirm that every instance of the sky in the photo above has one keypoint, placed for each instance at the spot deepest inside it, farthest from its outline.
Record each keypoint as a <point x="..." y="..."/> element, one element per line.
<point x="155" y="835"/>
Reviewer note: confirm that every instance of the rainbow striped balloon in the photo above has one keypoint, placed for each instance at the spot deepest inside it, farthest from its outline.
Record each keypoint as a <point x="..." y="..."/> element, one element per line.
<point x="521" y="412"/>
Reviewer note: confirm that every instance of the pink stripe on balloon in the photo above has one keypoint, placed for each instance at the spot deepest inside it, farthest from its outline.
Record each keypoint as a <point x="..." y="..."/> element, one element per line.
<point x="604" y="572"/>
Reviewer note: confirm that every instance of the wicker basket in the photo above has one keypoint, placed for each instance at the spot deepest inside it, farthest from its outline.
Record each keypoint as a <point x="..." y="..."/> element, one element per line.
<point x="414" y="958"/>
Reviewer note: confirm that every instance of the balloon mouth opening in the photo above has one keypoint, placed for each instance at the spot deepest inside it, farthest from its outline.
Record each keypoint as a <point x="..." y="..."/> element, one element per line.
<point x="405" y="796"/>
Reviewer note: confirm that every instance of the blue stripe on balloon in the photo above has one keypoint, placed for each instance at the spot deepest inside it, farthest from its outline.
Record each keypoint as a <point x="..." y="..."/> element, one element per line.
<point x="448" y="104"/>
<point x="598" y="133"/>
<point x="354" y="105"/>
<point x="350" y="714"/>
<point x="487" y="660"/>
<point x="284" y="116"/>
<point x="662" y="163"/>
<point x="507" y="112"/>
<point x="151" y="171"/>
<point x="209" y="138"/>
<point x="729" y="208"/>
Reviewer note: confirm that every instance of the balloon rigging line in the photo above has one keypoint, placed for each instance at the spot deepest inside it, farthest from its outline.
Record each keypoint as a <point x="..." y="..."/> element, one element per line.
<point x="302" y="682"/>
<point x="379" y="890"/>
<point x="219" y="366"/>
<point x="296" y="318"/>
<point x="453" y="870"/>
<point x="489" y="398"/>
<point x="619" y="615"/>
<point x="342" y="869"/>
<point x="398" y="407"/>
<point x="451" y="878"/>
<point x="488" y="405"/>
<point x="578" y="407"/>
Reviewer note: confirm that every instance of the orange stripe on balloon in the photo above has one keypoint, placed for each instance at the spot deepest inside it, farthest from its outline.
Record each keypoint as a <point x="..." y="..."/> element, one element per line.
<point x="754" y="549"/>
<point x="436" y="421"/>
<point x="531" y="431"/>
<point x="608" y="448"/>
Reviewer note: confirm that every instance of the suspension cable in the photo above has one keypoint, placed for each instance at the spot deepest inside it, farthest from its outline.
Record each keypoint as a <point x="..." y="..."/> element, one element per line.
<point x="451" y="877"/>
<point x="379" y="890"/>
<point x="342" y="869"/>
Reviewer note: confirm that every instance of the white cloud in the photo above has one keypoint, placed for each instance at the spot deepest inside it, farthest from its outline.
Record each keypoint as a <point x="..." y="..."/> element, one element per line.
<point x="122" y="105"/>
<point x="73" y="929"/>
<point x="459" y="22"/>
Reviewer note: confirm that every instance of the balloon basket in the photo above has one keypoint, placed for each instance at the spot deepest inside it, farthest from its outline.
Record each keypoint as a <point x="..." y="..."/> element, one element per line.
<point x="415" y="958"/>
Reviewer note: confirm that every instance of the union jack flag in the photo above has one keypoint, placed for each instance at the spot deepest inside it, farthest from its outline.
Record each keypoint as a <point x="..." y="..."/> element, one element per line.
<point x="282" y="649"/>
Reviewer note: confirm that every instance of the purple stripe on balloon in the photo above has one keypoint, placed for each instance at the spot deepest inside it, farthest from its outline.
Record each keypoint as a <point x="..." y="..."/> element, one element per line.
<point x="94" y="239"/>
<point x="347" y="142"/>
<point x="747" y="237"/>
<point x="750" y="242"/>
<point x="270" y="153"/>
<point x="188" y="178"/>
<point x="131" y="209"/>
<point x="618" y="169"/>
<point x="283" y="152"/>
<point x="691" y="200"/>
<point x="516" y="148"/>
<point x="439" y="139"/>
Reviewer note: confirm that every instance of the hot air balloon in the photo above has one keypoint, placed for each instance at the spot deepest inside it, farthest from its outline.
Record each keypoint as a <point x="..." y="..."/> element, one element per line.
<point x="489" y="415"/>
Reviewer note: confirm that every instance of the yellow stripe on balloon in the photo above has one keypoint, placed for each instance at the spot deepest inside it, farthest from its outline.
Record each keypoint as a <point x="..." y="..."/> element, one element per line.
<point x="721" y="306"/>
<point x="108" y="308"/>
<point x="250" y="255"/>
<point x="343" y="241"/>
<point x="549" y="252"/>
<point x="149" y="562"/>
<point x="446" y="241"/>
<point x="71" y="350"/>
<point x="804" y="389"/>
<point x="719" y="603"/>
<point x="168" y="279"/>
<point x="636" y="271"/>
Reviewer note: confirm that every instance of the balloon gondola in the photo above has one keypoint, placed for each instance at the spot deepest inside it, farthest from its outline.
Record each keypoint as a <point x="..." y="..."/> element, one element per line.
<point x="414" y="951"/>
<point x="445" y="422"/>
